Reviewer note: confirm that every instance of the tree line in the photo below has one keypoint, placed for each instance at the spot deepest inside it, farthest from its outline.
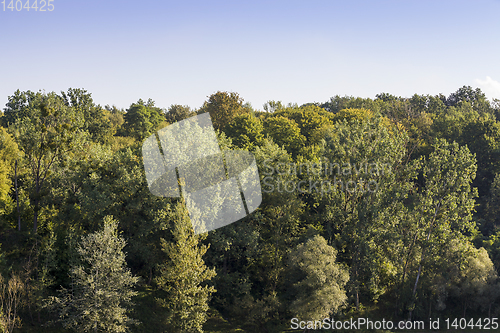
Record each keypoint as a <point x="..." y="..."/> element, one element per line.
<point x="86" y="247"/>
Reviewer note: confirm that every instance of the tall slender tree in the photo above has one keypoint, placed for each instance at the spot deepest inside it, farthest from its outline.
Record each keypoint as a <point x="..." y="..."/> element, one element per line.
<point x="102" y="285"/>
<point x="182" y="277"/>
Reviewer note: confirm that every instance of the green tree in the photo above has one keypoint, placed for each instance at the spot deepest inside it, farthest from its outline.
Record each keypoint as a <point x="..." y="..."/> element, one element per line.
<point x="48" y="135"/>
<point x="20" y="105"/>
<point x="94" y="117"/>
<point x="443" y="208"/>
<point x="427" y="103"/>
<point x="352" y="115"/>
<point x="475" y="97"/>
<point x="102" y="285"/>
<point x="142" y="119"/>
<point x="245" y="131"/>
<point x="310" y="119"/>
<point x="481" y="134"/>
<point x="178" y="112"/>
<point x="279" y="218"/>
<point x="386" y="97"/>
<point x="223" y="106"/>
<point x="337" y="103"/>
<point x="182" y="277"/>
<point x="363" y="160"/>
<point x="250" y="255"/>
<point x="232" y="249"/>
<point x="492" y="243"/>
<point x="285" y="133"/>
<point x="102" y="182"/>
<point x="476" y="284"/>
<point x="316" y="281"/>
<point x="272" y="106"/>
<point x="114" y="116"/>
<point x="9" y="153"/>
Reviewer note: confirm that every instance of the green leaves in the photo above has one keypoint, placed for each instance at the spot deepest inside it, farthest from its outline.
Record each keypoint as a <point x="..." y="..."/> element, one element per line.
<point x="448" y="175"/>
<point x="246" y="131"/>
<point x="102" y="285"/>
<point x="390" y="219"/>
<point x="94" y="122"/>
<point x="223" y="107"/>
<point x="183" y="277"/>
<point x="365" y="162"/>
<point x="285" y="133"/>
<point x="46" y="131"/>
<point x="9" y="153"/>
<point x="141" y="121"/>
<point x="317" y="281"/>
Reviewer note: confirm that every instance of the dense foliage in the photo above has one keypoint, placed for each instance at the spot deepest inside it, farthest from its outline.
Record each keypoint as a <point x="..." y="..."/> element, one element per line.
<point x="385" y="207"/>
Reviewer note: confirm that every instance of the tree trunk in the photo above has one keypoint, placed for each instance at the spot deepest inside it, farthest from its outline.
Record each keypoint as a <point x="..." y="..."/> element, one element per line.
<point x="416" y="281"/>
<point x="17" y="199"/>
<point x="422" y="257"/>
<point x="430" y="305"/>
<point x="357" y="299"/>
<point x="35" y="218"/>
<point x="405" y="267"/>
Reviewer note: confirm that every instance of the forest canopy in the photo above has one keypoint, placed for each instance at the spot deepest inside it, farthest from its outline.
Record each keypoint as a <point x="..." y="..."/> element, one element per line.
<point x="386" y="207"/>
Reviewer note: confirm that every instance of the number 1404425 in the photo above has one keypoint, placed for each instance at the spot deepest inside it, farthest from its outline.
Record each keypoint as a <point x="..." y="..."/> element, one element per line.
<point x="33" y="5"/>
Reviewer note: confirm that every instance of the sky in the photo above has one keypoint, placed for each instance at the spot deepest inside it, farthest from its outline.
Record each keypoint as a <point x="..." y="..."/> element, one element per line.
<point x="181" y="52"/>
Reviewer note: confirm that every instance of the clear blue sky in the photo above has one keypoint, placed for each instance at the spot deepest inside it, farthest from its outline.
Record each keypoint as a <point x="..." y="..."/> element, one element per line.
<point x="179" y="52"/>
